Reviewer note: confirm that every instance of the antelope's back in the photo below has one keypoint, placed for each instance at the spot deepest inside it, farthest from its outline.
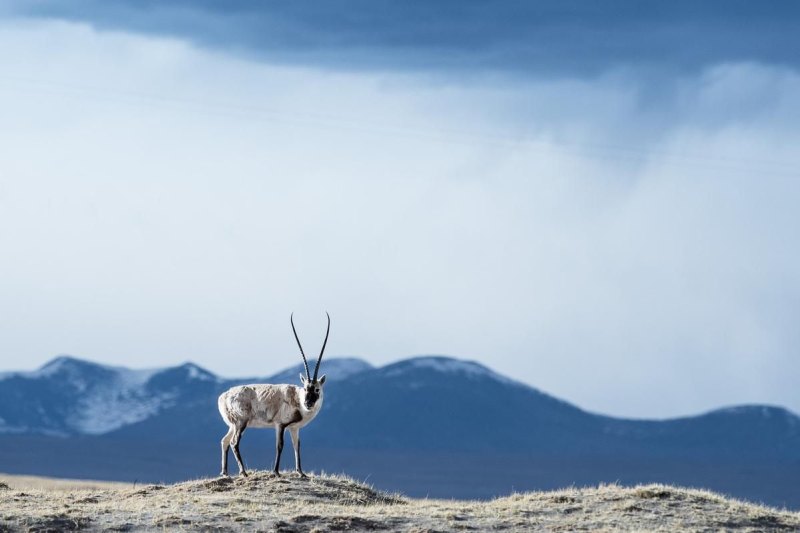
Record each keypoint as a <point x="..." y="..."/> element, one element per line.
<point x="256" y="404"/>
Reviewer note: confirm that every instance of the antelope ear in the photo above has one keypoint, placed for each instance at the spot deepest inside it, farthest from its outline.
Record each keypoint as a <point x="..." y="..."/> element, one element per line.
<point x="302" y="378"/>
<point x="322" y="380"/>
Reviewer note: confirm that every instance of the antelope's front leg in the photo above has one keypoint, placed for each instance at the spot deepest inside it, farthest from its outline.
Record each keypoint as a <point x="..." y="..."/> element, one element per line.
<point x="278" y="448"/>
<point x="295" y="433"/>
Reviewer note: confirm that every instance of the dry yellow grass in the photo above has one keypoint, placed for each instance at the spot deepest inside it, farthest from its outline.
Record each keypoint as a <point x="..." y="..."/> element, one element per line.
<point x="335" y="503"/>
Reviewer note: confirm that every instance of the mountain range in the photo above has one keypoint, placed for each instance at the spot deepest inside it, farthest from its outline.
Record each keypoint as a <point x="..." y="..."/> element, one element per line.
<point x="425" y="426"/>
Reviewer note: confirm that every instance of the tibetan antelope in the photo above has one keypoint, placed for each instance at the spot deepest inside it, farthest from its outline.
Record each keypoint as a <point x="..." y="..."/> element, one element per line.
<point x="267" y="405"/>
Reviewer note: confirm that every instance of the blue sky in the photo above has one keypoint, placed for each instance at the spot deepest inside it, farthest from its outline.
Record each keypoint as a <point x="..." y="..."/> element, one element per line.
<point x="600" y="202"/>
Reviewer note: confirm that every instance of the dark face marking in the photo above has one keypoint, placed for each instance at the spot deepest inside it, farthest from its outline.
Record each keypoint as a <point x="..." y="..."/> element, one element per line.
<point x="312" y="393"/>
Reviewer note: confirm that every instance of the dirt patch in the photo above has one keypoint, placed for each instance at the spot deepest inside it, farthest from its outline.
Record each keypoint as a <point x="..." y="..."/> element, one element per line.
<point x="169" y="521"/>
<point x="216" y="485"/>
<point x="304" y="519"/>
<point x="57" y="523"/>
<point x="355" y="523"/>
<point x="654" y="493"/>
<point x="127" y="526"/>
<point x="147" y="490"/>
<point x="761" y="523"/>
<point x="633" y="508"/>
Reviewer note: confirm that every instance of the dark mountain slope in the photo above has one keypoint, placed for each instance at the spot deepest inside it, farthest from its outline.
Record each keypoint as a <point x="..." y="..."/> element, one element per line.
<point x="432" y="403"/>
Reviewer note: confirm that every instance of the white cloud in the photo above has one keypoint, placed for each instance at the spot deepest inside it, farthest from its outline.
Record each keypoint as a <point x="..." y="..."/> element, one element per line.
<point x="626" y="249"/>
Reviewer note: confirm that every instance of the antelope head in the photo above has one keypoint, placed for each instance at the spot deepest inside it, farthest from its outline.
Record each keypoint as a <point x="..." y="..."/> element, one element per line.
<point x="311" y="385"/>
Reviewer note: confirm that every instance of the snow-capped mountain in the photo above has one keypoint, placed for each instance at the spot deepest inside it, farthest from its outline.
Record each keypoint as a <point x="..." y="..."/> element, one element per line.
<point x="70" y="396"/>
<point x="427" y="425"/>
<point x="336" y="368"/>
<point x="442" y="398"/>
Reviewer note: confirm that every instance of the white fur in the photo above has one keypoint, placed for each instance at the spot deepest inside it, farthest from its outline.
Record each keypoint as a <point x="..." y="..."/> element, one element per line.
<point x="262" y="406"/>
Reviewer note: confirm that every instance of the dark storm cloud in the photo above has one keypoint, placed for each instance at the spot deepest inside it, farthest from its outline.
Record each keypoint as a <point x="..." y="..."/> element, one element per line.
<point x="518" y="37"/>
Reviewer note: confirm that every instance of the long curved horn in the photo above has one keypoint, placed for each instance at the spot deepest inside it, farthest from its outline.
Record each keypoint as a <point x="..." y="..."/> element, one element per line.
<point x="316" y="368"/>
<point x="308" y="374"/>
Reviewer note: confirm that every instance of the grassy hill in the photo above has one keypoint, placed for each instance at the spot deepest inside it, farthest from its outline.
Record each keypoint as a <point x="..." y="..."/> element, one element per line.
<point x="335" y="503"/>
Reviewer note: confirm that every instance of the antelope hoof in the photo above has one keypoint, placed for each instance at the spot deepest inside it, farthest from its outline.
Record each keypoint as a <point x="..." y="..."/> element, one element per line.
<point x="301" y="474"/>
<point x="242" y="474"/>
<point x="223" y="474"/>
<point x="276" y="473"/>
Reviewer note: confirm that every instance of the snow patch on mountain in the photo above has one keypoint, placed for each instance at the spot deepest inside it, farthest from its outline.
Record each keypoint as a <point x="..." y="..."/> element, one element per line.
<point x="336" y="369"/>
<point x="764" y="411"/>
<point x="343" y="367"/>
<point x="200" y="374"/>
<point x="108" y="410"/>
<point x="63" y="364"/>
<point x="104" y="398"/>
<point x="72" y="371"/>
<point x="118" y="402"/>
<point x="761" y="411"/>
<point x="448" y="365"/>
<point x="134" y="378"/>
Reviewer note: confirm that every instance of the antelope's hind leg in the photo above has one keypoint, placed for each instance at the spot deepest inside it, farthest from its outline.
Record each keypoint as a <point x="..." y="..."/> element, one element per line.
<point x="279" y="431"/>
<point x="226" y="443"/>
<point x="237" y="437"/>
